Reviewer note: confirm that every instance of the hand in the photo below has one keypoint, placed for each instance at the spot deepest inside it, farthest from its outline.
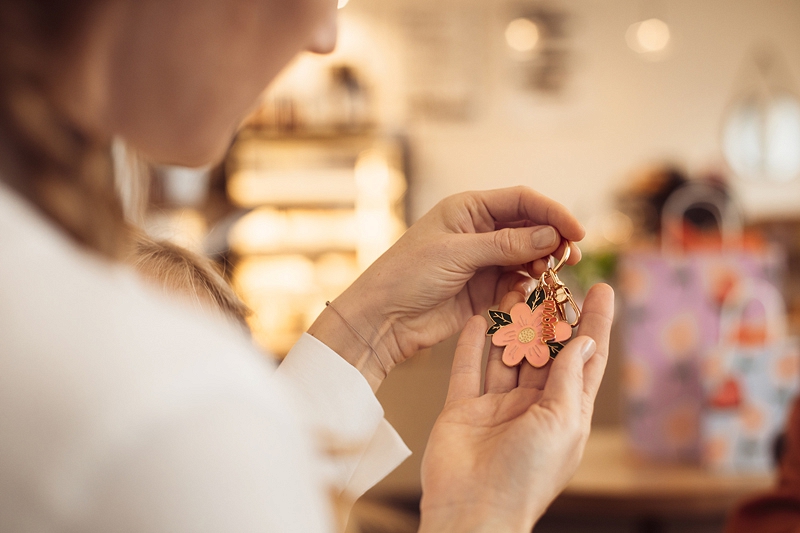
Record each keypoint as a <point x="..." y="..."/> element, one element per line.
<point x="453" y="263"/>
<point x="494" y="462"/>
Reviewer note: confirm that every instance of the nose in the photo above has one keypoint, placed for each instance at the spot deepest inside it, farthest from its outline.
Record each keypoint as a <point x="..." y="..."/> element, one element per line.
<point x="323" y="41"/>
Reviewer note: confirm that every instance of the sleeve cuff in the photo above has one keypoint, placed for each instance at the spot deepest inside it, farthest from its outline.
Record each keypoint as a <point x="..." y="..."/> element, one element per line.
<point x="384" y="453"/>
<point x="339" y="405"/>
<point x="340" y="397"/>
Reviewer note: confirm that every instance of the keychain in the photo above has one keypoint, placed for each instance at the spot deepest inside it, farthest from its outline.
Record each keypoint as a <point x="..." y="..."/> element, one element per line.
<point x="537" y="328"/>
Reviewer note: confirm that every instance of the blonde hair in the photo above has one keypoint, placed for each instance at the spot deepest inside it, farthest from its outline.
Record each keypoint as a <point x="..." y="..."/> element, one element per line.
<point x="181" y="271"/>
<point x="65" y="171"/>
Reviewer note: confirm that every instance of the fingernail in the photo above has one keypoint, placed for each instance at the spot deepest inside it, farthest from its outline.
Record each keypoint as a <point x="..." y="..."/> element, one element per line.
<point x="544" y="237"/>
<point x="587" y="348"/>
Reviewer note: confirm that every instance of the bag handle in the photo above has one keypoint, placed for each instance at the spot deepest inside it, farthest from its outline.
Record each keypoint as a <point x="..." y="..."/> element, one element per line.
<point x="735" y="304"/>
<point x="702" y="195"/>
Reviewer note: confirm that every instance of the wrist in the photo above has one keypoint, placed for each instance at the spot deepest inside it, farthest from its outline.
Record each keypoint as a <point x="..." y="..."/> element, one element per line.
<point x="479" y="511"/>
<point x="472" y="519"/>
<point x="356" y="338"/>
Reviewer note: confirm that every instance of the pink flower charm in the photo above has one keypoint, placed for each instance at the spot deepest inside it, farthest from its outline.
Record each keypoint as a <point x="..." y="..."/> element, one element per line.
<point x="523" y="337"/>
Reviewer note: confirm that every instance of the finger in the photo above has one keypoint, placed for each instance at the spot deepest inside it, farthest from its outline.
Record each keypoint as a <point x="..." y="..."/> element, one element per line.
<point x="531" y="377"/>
<point x="508" y="246"/>
<point x="564" y="389"/>
<point x="488" y="286"/>
<point x="512" y="281"/>
<point x="524" y="285"/>
<point x="523" y="203"/>
<point x="515" y="224"/>
<point x="499" y="377"/>
<point x="576" y="255"/>
<point x="535" y="268"/>
<point x="596" y="318"/>
<point x="465" y="376"/>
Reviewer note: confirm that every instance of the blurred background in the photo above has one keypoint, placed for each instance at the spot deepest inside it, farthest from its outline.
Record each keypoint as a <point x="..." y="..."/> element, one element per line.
<point x="610" y="107"/>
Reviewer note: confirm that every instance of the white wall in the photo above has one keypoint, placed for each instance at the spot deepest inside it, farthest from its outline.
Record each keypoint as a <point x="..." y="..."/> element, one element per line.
<point x="617" y="113"/>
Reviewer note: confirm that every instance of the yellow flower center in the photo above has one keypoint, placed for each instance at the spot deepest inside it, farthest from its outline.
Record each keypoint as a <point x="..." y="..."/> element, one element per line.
<point x="526" y="335"/>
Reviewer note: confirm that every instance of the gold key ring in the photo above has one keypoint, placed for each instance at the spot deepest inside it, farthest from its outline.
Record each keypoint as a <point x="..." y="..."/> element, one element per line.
<point x="564" y="258"/>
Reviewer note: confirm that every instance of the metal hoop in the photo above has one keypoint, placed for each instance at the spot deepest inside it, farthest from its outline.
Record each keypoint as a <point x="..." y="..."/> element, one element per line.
<point x="564" y="258"/>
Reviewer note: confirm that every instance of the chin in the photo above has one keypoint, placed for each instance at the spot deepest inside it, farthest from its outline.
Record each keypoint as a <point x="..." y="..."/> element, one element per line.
<point x="186" y="153"/>
<point x="200" y="157"/>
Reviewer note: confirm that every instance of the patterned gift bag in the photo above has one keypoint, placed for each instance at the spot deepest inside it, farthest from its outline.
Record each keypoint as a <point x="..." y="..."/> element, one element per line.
<point x="749" y="381"/>
<point x="671" y="315"/>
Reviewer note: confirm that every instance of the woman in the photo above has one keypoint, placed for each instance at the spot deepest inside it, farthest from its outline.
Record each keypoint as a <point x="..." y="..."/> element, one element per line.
<point x="122" y="412"/>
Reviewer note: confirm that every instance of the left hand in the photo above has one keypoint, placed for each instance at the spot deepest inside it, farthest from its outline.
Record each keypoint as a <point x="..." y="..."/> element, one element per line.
<point x="455" y="262"/>
<point x="495" y="461"/>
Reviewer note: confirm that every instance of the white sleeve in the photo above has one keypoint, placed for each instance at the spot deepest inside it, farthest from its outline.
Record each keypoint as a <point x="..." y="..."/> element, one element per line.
<point x="223" y="465"/>
<point x="338" y="403"/>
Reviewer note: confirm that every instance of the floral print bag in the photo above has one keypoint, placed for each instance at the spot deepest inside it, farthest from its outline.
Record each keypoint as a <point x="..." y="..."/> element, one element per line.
<point x="671" y="310"/>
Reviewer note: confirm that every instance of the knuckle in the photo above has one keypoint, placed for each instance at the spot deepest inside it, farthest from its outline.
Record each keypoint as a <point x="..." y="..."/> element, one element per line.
<point x="505" y="242"/>
<point x="450" y="203"/>
<point x="458" y="199"/>
<point x="461" y="368"/>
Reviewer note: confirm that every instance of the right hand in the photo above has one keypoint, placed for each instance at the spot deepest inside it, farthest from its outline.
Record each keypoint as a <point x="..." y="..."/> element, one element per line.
<point x="453" y="263"/>
<point x="496" y="461"/>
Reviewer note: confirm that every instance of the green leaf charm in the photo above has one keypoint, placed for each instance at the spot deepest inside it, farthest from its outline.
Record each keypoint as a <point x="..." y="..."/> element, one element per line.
<point x="555" y="347"/>
<point x="536" y="298"/>
<point x="500" y="319"/>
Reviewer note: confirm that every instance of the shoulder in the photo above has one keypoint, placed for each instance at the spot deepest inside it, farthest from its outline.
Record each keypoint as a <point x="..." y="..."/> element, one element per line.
<point x="64" y="310"/>
<point x="92" y="359"/>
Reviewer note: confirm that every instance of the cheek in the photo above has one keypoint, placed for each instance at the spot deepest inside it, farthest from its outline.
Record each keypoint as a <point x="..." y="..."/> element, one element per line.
<point x="178" y="93"/>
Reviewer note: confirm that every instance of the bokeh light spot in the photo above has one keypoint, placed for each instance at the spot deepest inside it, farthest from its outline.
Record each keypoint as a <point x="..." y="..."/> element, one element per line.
<point x="522" y="34"/>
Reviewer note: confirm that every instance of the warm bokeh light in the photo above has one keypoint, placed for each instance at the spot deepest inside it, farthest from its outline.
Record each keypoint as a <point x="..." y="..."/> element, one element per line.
<point x="286" y="292"/>
<point x="277" y="289"/>
<point x="250" y="188"/>
<point x="342" y="3"/>
<point x="283" y="273"/>
<point x="335" y="271"/>
<point x="268" y="230"/>
<point x="184" y="227"/>
<point x="653" y="35"/>
<point x="617" y="228"/>
<point x="648" y="36"/>
<point x="522" y="34"/>
<point x="317" y="219"/>
<point x="379" y="188"/>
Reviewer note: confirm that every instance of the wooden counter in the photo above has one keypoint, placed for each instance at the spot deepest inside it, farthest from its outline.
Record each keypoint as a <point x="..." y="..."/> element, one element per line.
<point x="612" y="480"/>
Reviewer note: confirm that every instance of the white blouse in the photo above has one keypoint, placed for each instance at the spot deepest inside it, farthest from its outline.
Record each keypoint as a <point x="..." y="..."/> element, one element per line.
<point x="123" y="411"/>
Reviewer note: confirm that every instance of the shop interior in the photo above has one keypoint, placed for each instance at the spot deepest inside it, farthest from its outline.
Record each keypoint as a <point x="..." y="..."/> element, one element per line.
<point x="607" y="107"/>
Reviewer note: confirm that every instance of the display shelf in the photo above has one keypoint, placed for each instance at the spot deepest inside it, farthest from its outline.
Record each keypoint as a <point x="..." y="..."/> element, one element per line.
<point x="319" y="208"/>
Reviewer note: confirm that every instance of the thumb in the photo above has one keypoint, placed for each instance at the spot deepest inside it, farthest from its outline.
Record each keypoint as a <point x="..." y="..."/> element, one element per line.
<point x="564" y="385"/>
<point x="510" y="246"/>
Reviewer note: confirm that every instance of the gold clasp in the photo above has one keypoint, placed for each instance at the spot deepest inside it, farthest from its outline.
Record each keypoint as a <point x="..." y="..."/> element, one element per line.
<point x="550" y="281"/>
<point x="563" y="296"/>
